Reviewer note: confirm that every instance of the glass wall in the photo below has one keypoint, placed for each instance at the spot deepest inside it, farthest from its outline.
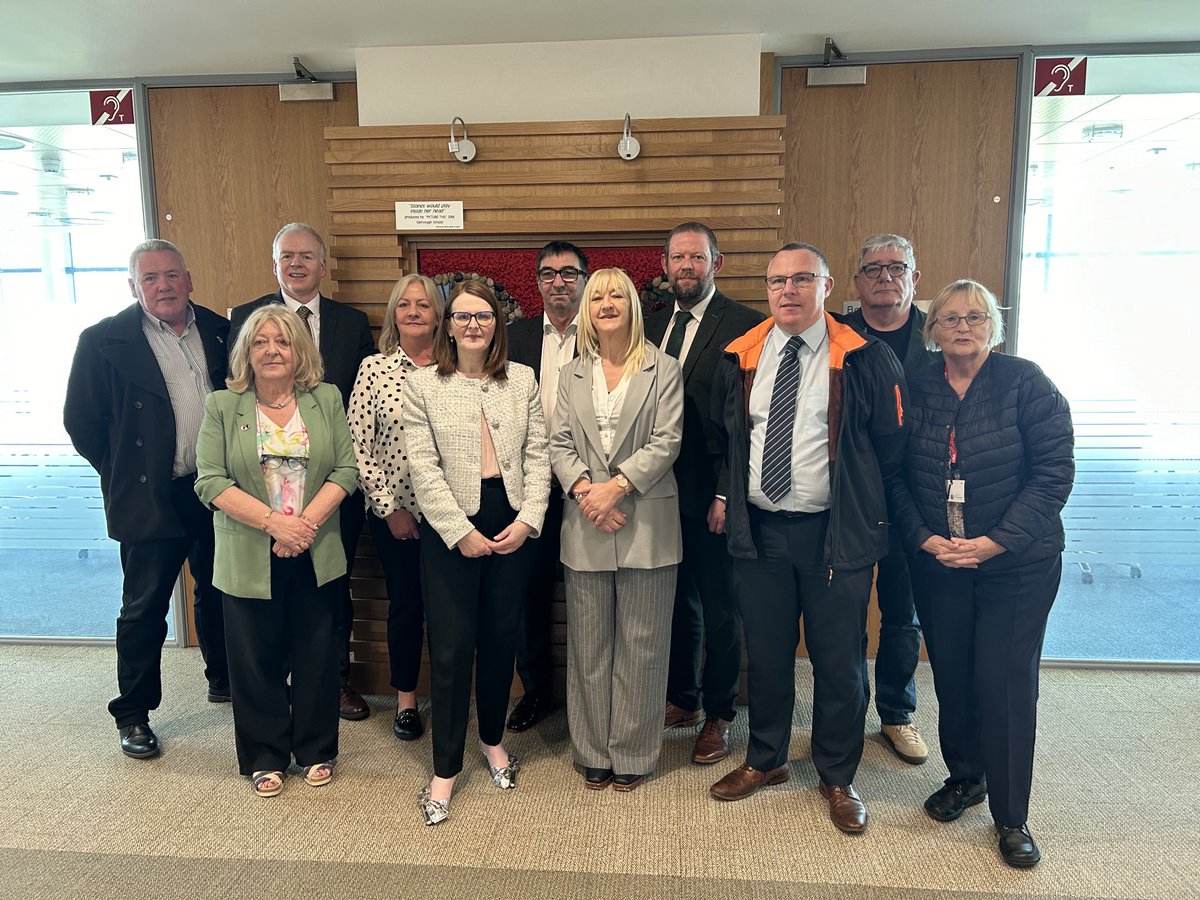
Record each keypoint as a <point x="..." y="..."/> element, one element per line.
<point x="70" y="211"/>
<point x="1109" y="309"/>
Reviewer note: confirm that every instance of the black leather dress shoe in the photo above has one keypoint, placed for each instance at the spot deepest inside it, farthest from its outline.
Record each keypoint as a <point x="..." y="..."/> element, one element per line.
<point x="218" y="693"/>
<point x="951" y="800"/>
<point x="597" y="779"/>
<point x="627" y="782"/>
<point x="139" y="741"/>
<point x="1017" y="846"/>
<point x="530" y="710"/>
<point x="408" y="725"/>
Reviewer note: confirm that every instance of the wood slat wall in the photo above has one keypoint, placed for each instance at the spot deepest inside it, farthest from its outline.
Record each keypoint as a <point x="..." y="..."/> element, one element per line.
<point x="531" y="183"/>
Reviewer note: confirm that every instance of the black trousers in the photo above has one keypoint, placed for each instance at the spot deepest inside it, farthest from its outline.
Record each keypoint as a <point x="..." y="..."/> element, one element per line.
<point x="706" y="627"/>
<point x="350" y="519"/>
<point x="899" y="642"/>
<point x="535" y="662"/>
<point x="293" y="633"/>
<point x="984" y="632"/>
<point x="401" y="562"/>
<point x="473" y="611"/>
<point x="789" y="580"/>
<point x="150" y="569"/>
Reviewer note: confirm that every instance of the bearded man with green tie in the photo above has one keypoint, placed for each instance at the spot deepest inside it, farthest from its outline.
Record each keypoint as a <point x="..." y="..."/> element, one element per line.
<point x="706" y="633"/>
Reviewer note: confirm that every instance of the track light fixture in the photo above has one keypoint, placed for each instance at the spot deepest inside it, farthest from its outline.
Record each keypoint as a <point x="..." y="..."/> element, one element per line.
<point x="464" y="150"/>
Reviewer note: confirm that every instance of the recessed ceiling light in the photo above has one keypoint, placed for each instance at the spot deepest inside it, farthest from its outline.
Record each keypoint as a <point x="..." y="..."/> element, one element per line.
<point x="7" y="142"/>
<point x="9" y="194"/>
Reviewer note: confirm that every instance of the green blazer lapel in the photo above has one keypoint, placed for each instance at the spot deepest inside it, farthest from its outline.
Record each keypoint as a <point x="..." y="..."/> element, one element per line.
<point x="320" y="450"/>
<point x="244" y="463"/>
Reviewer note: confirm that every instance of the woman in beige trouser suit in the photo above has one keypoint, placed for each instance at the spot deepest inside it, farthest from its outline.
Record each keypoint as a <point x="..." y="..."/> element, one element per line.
<point x="616" y="433"/>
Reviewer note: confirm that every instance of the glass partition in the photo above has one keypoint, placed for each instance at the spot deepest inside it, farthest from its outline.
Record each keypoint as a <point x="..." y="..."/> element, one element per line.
<point x="1108" y="308"/>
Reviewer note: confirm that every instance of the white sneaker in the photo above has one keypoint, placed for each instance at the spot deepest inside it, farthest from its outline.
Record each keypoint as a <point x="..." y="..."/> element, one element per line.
<point x="907" y="742"/>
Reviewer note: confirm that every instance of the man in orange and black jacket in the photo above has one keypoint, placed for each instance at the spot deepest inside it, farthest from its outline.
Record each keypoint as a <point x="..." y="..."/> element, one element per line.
<point x="811" y="415"/>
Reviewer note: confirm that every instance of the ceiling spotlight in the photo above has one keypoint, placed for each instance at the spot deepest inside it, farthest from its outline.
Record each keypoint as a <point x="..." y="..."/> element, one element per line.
<point x="464" y="150"/>
<point x="628" y="147"/>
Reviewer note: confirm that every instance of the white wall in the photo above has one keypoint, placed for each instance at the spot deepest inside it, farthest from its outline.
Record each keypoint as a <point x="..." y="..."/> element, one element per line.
<point x="646" y="77"/>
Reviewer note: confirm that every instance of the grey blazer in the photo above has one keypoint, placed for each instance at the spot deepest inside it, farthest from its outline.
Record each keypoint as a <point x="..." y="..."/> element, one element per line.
<point x="645" y="446"/>
<point x="442" y="434"/>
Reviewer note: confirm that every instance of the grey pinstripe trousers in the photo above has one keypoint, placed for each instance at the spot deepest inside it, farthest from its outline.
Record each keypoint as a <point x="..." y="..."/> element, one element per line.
<point x="618" y="647"/>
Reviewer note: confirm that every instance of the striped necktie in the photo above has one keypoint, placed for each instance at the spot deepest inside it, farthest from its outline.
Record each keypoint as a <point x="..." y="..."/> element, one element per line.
<point x="776" y="480"/>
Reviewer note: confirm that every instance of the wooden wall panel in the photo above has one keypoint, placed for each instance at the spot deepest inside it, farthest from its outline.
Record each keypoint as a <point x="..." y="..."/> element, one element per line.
<point x="530" y="183"/>
<point x="231" y="165"/>
<point x="923" y="150"/>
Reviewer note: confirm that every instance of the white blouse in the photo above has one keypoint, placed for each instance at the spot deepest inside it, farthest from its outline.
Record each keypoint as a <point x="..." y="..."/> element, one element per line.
<point x="608" y="404"/>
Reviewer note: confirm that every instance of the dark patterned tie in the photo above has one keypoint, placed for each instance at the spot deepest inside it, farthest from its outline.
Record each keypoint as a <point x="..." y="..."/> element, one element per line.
<point x="304" y="312"/>
<point x="675" y="341"/>
<point x="776" y="480"/>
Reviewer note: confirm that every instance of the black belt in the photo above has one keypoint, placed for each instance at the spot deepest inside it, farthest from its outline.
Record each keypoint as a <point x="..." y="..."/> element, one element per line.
<point x="785" y="514"/>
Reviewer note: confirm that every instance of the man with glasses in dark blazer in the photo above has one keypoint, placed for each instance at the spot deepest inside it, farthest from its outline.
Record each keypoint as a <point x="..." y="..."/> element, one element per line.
<point x="546" y="343"/>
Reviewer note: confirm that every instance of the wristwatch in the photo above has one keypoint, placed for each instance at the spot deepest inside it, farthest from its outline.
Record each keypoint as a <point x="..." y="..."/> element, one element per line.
<point x="623" y="483"/>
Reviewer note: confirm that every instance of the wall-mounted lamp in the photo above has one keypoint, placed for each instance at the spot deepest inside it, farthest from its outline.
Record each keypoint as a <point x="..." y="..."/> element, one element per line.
<point x="464" y="150"/>
<point x="628" y="147"/>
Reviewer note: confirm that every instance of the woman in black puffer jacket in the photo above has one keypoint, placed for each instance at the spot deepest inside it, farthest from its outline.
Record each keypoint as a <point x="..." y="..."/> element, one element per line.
<point x="989" y="467"/>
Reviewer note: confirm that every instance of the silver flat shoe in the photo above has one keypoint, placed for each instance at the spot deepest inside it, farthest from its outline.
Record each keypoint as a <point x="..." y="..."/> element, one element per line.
<point x="505" y="777"/>
<point x="435" y="811"/>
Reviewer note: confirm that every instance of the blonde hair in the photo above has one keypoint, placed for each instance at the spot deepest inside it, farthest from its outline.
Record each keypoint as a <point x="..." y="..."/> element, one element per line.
<point x="601" y="283"/>
<point x="310" y="370"/>
<point x="389" y="334"/>
<point x="979" y="297"/>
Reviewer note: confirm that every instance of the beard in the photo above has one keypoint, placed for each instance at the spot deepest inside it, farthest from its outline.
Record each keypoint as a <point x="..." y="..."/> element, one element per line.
<point x="689" y="294"/>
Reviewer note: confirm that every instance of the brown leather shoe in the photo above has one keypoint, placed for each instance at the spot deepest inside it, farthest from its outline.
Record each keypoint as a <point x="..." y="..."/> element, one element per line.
<point x="846" y="809"/>
<point x="678" y="717"/>
<point x="352" y="706"/>
<point x="746" y="780"/>
<point x="713" y="744"/>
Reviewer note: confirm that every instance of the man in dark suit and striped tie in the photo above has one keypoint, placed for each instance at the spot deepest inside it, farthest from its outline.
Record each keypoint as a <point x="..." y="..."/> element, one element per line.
<point x="812" y="415"/>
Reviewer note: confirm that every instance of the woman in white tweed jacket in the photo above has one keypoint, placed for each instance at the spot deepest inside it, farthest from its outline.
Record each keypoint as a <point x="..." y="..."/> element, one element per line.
<point x="477" y="455"/>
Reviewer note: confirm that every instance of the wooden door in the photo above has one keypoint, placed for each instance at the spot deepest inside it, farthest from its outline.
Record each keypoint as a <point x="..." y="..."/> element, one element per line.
<point x="233" y="164"/>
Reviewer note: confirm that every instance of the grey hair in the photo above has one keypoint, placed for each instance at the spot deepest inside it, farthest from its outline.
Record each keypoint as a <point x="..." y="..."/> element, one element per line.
<point x="882" y="242"/>
<point x="979" y="297"/>
<point x="389" y="334"/>
<point x="293" y="227"/>
<point x="154" y="245"/>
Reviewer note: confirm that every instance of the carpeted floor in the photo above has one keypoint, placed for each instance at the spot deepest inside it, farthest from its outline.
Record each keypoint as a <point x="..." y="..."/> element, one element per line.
<point x="1116" y="808"/>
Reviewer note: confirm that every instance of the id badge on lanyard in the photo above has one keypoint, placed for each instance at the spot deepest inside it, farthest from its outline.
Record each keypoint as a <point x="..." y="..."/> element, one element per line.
<point x="956" y="488"/>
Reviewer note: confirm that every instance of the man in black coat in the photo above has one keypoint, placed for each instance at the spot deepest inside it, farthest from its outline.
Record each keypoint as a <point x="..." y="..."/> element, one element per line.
<point x="343" y="336"/>
<point x="545" y="343"/>
<point x="134" y="402"/>
<point x="886" y="281"/>
<point x="705" y="625"/>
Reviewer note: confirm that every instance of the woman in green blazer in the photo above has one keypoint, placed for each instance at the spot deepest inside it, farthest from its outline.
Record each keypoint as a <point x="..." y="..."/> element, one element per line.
<point x="275" y="460"/>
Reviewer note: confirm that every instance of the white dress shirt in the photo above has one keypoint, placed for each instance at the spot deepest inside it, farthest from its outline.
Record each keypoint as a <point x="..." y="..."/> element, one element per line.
<point x="810" y="432"/>
<point x="314" y="319"/>
<point x="693" y="325"/>
<point x="608" y="404"/>
<point x="557" y="351"/>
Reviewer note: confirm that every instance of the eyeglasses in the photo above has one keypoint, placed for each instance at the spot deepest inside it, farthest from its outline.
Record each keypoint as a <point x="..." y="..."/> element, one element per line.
<point x="569" y="275"/>
<point x="874" y="270"/>
<point x="973" y="319"/>
<point x="463" y="319"/>
<point x="295" y="463"/>
<point x="775" y="283"/>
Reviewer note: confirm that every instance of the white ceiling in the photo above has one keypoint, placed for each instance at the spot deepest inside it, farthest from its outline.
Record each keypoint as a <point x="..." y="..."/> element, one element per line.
<point x="94" y="39"/>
